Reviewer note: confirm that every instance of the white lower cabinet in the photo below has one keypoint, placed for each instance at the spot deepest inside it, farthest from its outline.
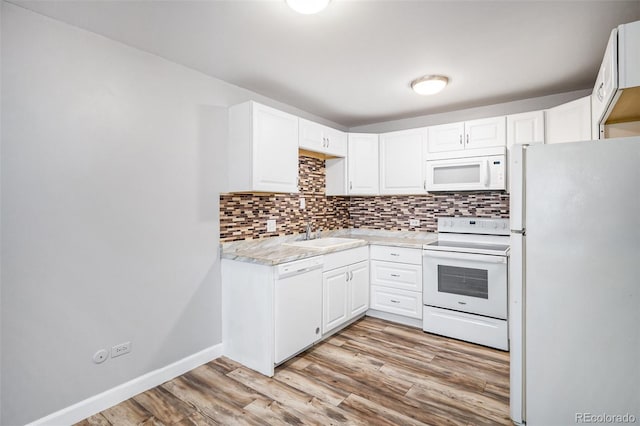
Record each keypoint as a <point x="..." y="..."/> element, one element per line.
<point x="345" y="287"/>
<point x="396" y="281"/>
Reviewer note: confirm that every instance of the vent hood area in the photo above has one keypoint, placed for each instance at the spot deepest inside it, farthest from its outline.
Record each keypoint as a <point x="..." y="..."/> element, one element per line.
<point x="616" y="94"/>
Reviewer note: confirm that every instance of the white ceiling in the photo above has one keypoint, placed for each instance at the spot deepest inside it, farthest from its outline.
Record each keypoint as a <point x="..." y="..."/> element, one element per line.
<point x="352" y="63"/>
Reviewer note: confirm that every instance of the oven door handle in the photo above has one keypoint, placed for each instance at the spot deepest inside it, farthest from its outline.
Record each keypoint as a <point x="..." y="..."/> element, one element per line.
<point x="484" y="258"/>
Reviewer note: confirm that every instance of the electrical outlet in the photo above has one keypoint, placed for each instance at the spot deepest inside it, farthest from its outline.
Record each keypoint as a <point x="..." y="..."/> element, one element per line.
<point x="414" y="223"/>
<point x="303" y="203"/>
<point x="271" y="225"/>
<point x="121" y="349"/>
<point x="100" y="356"/>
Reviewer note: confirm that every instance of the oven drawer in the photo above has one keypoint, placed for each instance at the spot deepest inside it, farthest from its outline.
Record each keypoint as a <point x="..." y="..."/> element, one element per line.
<point x="397" y="275"/>
<point x="396" y="254"/>
<point x="396" y="301"/>
<point x="472" y="328"/>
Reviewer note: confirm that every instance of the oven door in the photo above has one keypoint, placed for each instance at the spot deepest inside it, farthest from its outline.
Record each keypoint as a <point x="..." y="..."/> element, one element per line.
<point x="474" y="283"/>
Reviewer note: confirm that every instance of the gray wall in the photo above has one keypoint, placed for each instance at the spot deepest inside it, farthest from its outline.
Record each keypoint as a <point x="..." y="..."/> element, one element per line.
<point x="112" y="164"/>
<point x="506" y="108"/>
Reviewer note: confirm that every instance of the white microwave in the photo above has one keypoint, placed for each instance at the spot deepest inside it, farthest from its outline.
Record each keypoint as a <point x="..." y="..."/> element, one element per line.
<point x="481" y="173"/>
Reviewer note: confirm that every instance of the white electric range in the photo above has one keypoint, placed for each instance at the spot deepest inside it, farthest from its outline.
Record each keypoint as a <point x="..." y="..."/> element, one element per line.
<point x="465" y="281"/>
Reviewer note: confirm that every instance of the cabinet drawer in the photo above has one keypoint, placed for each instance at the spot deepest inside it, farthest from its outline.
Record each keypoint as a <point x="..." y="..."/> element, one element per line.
<point x="397" y="275"/>
<point x="395" y="301"/>
<point x="397" y="254"/>
<point x="345" y="257"/>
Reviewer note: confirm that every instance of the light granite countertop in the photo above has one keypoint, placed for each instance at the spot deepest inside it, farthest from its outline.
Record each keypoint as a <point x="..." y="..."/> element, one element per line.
<point x="273" y="251"/>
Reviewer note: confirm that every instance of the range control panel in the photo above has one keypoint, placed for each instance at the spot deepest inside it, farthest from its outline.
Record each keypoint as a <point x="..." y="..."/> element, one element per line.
<point x="473" y="225"/>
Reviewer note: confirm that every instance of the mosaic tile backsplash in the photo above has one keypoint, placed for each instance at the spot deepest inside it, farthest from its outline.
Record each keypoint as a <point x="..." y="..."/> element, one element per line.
<point x="244" y="216"/>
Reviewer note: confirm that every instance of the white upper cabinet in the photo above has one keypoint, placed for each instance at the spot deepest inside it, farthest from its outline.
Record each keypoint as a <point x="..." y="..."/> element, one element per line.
<point x="484" y="133"/>
<point x="362" y="164"/>
<point x="525" y="128"/>
<point x="607" y="80"/>
<point x="263" y="149"/>
<point x="446" y="137"/>
<point x="570" y="122"/>
<point x="402" y="162"/>
<point x="318" y="138"/>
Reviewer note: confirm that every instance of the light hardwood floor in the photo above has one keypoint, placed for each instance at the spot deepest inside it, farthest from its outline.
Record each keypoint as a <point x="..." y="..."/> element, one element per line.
<point x="372" y="373"/>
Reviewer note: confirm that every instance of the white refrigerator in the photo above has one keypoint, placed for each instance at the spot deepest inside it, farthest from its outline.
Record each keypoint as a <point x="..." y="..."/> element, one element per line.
<point x="574" y="289"/>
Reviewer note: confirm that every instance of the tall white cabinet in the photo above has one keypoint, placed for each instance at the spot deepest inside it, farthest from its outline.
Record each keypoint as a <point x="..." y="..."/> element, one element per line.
<point x="262" y="149"/>
<point x="402" y="162"/>
<point x="362" y="164"/>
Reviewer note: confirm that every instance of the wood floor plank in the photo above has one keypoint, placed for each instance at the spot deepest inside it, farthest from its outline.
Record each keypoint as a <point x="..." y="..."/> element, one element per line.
<point x="224" y="364"/>
<point x="320" y="390"/>
<point x="127" y="413"/>
<point x="235" y="393"/>
<point x="373" y="372"/>
<point x="376" y="392"/>
<point x="209" y="402"/>
<point x="164" y="406"/>
<point x="314" y="410"/>
<point x="377" y="414"/>
<point x="196" y="419"/>
<point x="480" y="409"/>
<point x="95" y="420"/>
<point x="274" y="413"/>
<point x="428" y="375"/>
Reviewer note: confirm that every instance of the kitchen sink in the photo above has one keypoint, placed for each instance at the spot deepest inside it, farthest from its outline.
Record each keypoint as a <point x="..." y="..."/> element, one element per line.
<point x="328" y="243"/>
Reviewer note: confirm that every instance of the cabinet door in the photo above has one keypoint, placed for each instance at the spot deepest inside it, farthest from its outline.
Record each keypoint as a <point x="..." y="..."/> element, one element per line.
<point x="606" y="83"/>
<point x="336" y="142"/>
<point x="485" y="133"/>
<point x="335" y="294"/>
<point x="298" y="313"/>
<point x="401" y="162"/>
<point x="570" y="122"/>
<point x="358" y="289"/>
<point x="311" y="136"/>
<point x="446" y="137"/>
<point x="318" y="138"/>
<point x="362" y="164"/>
<point x="527" y="128"/>
<point x="275" y="150"/>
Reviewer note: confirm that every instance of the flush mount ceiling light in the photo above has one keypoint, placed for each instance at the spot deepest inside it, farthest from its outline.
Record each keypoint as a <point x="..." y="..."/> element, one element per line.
<point x="307" y="7"/>
<point x="429" y="84"/>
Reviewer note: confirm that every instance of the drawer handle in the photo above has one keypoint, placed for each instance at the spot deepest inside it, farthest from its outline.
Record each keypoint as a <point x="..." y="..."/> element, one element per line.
<point x="395" y="254"/>
<point x="395" y="275"/>
<point x="462" y="303"/>
<point x="395" y="301"/>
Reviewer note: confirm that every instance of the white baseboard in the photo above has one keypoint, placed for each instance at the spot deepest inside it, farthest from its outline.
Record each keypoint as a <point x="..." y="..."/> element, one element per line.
<point x="116" y="395"/>
<point x="411" y="322"/>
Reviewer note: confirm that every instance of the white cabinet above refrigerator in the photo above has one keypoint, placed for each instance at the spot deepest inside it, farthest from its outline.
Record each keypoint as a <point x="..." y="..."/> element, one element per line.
<point x="616" y="93"/>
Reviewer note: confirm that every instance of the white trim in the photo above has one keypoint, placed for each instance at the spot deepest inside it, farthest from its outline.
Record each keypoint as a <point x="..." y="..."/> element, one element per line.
<point x="400" y="319"/>
<point x="90" y="406"/>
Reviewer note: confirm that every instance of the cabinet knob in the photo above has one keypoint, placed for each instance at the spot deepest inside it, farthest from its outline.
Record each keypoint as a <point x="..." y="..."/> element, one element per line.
<point x="460" y="139"/>
<point x="467" y="138"/>
<point x="317" y="330"/>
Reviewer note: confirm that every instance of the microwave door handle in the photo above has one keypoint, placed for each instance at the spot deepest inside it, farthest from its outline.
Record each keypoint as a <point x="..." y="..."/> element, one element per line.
<point x="485" y="171"/>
